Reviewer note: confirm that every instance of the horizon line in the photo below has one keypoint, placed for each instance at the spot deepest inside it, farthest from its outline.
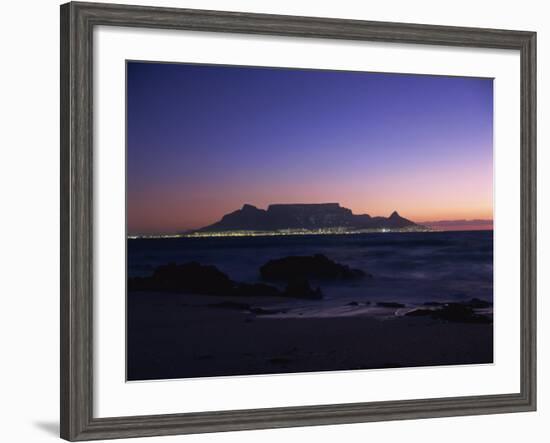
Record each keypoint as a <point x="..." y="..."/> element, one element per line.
<point x="458" y="222"/>
<point x="259" y="207"/>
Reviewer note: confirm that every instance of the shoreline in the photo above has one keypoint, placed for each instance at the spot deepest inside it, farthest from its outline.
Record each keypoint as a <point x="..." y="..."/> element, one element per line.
<point x="304" y="234"/>
<point x="186" y="336"/>
<point x="445" y="278"/>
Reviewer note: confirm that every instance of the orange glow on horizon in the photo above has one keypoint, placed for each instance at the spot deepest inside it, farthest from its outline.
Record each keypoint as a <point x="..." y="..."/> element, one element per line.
<point x="175" y="219"/>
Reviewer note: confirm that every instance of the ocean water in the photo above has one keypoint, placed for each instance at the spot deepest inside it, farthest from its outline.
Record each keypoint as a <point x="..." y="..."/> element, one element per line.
<point x="407" y="268"/>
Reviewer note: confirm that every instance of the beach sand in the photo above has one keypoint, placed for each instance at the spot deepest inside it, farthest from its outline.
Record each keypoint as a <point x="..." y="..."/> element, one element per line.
<point x="182" y="336"/>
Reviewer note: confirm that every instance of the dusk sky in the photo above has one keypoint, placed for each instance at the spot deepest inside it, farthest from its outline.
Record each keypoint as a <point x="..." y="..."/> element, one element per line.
<point x="203" y="140"/>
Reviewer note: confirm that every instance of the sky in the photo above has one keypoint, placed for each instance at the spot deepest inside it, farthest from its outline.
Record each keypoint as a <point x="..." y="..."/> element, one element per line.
<point x="202" y="140"/>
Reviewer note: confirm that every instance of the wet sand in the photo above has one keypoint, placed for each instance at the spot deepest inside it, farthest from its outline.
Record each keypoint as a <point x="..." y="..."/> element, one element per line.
<point x="183" y="336"/>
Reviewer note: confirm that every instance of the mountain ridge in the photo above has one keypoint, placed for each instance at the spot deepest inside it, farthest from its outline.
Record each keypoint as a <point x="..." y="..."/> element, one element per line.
<point x="303" y="216"/>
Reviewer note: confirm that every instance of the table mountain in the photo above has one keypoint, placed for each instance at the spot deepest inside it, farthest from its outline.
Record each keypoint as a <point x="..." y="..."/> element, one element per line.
<point x="306" y="216"/>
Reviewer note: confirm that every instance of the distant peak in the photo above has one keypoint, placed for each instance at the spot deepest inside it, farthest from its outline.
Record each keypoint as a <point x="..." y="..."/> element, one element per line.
<point x="312" y="217"/>
<point x="304" y="205"/>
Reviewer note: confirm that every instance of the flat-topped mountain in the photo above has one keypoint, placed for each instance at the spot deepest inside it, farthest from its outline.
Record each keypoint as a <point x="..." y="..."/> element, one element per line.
<point x="303" y="217"/>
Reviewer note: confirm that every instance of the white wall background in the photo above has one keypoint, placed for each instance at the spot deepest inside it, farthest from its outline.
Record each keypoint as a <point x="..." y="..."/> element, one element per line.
<point x="29" y="225"/>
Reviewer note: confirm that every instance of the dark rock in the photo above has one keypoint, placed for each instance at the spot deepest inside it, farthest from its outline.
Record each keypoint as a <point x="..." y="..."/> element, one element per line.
<point x="353" y="303"/>
<point x="189" y="277"/>
<point x="208" y="280"/>
<point x="420" y="313"/>
<point x="308" y="267"/>
<point x="451" y="312"/>
<point x="390" y="304"/>
<point x="476" y="303"/>
<point x="456" y="312"/>
<point x="300" y="288"/>
<point x="198" y="279"/>
<point x="433" y="303"/>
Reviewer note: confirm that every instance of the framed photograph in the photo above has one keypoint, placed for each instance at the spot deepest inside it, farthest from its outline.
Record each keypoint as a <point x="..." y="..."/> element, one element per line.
<point x="272" y="221"/>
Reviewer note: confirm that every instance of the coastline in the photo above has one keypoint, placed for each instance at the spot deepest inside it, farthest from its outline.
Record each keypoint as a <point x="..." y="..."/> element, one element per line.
<point x="186" y="336"/>
<point x="356" y="324"/>
<point x="422" y="229"/>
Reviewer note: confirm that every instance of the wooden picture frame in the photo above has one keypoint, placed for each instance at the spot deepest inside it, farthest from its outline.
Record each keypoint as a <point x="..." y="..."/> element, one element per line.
<point x="77" y="23"/>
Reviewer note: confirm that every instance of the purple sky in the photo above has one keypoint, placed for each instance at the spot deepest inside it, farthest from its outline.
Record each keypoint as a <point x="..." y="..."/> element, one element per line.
<point x="203" y="140"/>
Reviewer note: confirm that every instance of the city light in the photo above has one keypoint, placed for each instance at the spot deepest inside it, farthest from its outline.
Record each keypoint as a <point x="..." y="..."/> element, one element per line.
<point x="285" y="232"/>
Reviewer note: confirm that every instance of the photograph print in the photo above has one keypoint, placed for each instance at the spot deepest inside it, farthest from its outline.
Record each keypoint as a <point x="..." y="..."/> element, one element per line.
<point x="302" y="220"/>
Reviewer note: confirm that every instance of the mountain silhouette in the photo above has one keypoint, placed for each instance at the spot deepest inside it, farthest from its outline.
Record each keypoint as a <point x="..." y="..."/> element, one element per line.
<point x="308" y="216"/>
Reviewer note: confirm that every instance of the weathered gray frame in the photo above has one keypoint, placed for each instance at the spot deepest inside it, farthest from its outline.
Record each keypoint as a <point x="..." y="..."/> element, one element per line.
<point x="77" y="23"/>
